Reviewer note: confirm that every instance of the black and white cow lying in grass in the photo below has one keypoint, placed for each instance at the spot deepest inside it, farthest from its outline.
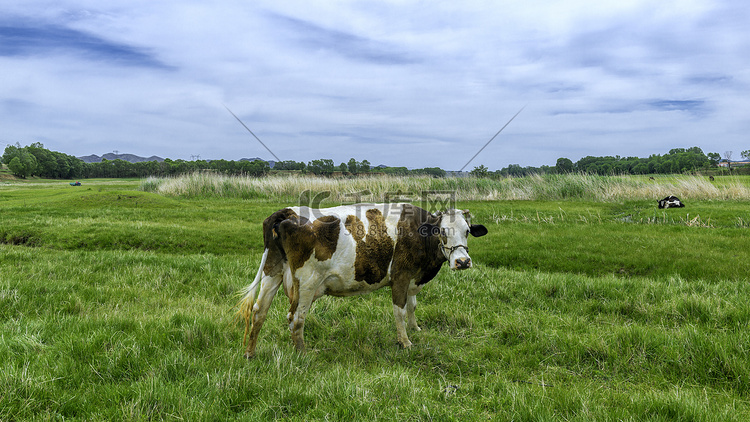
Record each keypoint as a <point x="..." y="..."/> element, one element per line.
<point x="671" y="202"/>
<point x="350" y="250"/>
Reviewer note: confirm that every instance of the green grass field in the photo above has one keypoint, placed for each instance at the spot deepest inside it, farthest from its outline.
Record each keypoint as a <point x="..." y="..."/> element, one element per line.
<point x="118" y="304"/>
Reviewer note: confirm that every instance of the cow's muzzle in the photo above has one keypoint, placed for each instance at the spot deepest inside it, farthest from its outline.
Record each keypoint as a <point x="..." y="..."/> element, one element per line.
<point x="463" y="263"/>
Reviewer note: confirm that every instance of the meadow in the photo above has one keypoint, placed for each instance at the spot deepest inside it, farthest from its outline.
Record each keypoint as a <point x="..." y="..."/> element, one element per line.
<point x="117" y="302"/>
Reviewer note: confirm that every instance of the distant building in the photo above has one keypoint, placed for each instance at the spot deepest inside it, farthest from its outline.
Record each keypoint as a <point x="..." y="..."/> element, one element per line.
<point x="725" y="163"/>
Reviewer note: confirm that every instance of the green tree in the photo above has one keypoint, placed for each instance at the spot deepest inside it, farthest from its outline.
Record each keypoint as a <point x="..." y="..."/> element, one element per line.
<point x="22" y="164"/>
<point x="353" y="166"/>
<point x="321" y="167"/>
<point x="516" y="170"/>
<point x="745" y="154"/>
<point x="431" y="171"/>
<point x="289" y="165"/>
<point x="402" y="171"/>
<point x="640" y="168"/>
<point x="588" y="164"/>
<point x="17" y="168"/>
<point x="564" y="165"/>
<point x="35" y="160"/>
<point x="480" y="171"/>
<point x="46" y="162"/>
<point x="714" y="158"/>
<point x="10" y="152"/>
<point x="256" y="168"/>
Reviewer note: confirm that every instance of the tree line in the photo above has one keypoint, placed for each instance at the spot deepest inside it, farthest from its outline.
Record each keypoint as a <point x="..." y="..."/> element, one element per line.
<point x="35" y="160"/>
<point x="677" y="160"/>
<point x="327" y="167"/>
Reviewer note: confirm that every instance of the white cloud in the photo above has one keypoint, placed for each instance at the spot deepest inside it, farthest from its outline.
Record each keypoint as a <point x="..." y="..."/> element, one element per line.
<point x="401" y="83"/>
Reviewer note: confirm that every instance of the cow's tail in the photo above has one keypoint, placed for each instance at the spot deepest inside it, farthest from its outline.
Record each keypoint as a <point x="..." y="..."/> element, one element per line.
<point x="248" y="298"/>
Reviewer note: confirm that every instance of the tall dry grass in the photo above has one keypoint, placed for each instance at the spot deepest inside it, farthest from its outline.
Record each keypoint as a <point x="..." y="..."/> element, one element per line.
<point x="382" y="188"/>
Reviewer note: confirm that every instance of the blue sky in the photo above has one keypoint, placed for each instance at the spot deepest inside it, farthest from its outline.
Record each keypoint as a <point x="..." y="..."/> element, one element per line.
<point x="403" y="83"/>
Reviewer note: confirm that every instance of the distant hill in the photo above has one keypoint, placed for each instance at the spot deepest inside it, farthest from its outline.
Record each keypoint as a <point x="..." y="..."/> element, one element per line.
<point x="131" y="158"/>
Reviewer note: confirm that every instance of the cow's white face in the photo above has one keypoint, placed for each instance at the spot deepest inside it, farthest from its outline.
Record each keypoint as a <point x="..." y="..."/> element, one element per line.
<point x="455" y="228"/>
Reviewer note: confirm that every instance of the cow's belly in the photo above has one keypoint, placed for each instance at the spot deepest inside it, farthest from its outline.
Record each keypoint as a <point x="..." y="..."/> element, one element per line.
<point x="335" y="285"/>
<point x="333" y="277"/>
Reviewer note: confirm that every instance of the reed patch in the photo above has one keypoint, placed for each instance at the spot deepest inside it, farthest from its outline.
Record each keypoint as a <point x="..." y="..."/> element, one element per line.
<point x="384" y="188"/>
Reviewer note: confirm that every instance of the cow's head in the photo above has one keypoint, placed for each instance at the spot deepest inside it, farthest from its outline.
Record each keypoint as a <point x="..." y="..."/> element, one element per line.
<point x="453" y="228"/>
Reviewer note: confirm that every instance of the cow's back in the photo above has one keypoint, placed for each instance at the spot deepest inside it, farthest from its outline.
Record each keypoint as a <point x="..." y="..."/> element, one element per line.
<point x="370" y="236"/>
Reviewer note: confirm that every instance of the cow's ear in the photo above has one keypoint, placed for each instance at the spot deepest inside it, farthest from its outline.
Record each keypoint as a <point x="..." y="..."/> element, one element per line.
<point x="477" y="230"/>
<point x="427" y="229"/>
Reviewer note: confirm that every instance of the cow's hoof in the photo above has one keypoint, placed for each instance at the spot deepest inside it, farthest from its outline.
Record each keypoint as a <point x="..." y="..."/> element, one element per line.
<point x="405" y="345"/>
<point x="299" y="347"/>
<point x="249" y="355"/>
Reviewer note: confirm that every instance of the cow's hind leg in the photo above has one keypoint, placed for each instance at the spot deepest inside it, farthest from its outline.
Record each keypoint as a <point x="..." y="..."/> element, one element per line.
<point x="293" y="293"/>
<point x="411" y="306"/>
<point x="268" y="288"/>
<point x="306" y="296"/>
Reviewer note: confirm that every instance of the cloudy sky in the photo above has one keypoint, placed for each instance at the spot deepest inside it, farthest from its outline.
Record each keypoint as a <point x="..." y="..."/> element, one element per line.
<point x="402" y="83"/>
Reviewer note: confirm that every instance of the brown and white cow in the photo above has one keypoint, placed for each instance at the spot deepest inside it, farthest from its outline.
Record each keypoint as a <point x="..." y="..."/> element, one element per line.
<point x="349" y="250"/>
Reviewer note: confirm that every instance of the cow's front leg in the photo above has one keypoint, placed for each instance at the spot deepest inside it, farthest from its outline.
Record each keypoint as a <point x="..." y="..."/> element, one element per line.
<point x="398" y="294"/>
<point x="399" y="313"/>
<point x="411" y="306"/>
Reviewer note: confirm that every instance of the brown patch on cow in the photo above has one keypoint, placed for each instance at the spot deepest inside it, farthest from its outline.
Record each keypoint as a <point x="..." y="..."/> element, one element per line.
<point x="356" y="227"/>
<point x="374" y="251"/>
<point x="276" y="255"/>
<point x="290" y="237"/>
<point x="299" y="239"/>
<point x="326" y="230"/>
<point x="416" y="257"/>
